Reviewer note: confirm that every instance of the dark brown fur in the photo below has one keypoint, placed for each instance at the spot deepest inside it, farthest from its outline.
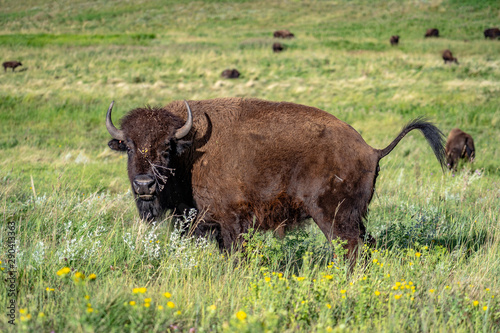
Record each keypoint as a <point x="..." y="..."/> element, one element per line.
<point x="254" y="163"/>
<point x="11" y="64"/>
<point x="459" y="145"/>
<point x="230" y="74"/>
<point x="394" y="40"/>
<point x="448" y="57"/>
<point x="432" y="33"/>
<point x="277" y="47"/>
<point x="492" y="33"/>
<point x="283" y="34"/>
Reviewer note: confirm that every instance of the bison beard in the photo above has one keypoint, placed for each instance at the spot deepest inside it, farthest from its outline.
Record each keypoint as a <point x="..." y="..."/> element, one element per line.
<point x="253" y="163"/>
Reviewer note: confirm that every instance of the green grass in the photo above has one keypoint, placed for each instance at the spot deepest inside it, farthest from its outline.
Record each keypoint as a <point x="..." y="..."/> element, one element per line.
<point x="69" y="197"/>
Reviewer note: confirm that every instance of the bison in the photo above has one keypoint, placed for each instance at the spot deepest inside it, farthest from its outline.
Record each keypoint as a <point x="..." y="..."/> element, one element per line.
<point x="394" y="40"/>
<point x="448" y="57"/>
<point x="277" y="47"/>
<point x="249" y="163"/>
<point x="230" y="74"/>
<point x="492" y="33"/>
<point x="459" y="145"/>
<point x="11" y="64"/>
<point x="283" y="34"/>
<point x="432" y="33"/>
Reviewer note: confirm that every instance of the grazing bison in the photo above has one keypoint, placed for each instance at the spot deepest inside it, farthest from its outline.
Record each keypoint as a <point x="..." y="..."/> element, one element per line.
<point x="448" y="57"/>
<point x="394" y="40"/>
<point x="230" y="74"/>
<point x="277" y="47"/>
<point x="459" y="145"/>
<point x="283" y="34"/>
<point x="432" y="33"/>
<point x="249" y="163"/>
<point x="492" y="33"/>
<point x="11" y="64"/>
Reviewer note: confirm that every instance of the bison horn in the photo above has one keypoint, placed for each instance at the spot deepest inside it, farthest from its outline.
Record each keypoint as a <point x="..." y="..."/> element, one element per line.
<point x="115" y="132"/>
<point x="184" y="130"/>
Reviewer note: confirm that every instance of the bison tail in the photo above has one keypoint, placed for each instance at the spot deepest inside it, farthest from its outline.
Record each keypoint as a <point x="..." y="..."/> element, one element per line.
<point x="433" y="135"/>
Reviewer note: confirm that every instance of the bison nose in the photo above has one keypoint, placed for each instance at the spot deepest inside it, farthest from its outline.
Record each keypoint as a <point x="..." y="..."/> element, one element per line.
<point x="144" y="185"/>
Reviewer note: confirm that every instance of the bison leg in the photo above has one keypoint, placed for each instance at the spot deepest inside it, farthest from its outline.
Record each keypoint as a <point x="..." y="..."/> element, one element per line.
<point x="345" y="224"/>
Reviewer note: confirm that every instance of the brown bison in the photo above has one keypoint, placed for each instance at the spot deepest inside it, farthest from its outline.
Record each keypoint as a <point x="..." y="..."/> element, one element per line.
<point x="394" y="40"/>
<point x="459" y="145"/>
<point x="252" y="163"/>
<point x="492" y="33"/>
<point x="277" y="47"/>
<point x="448" y="57"/>
<point x="283" y="34"/>
<point x="432" y="33"/>
<point x="230" y="74"/>
<point x="11" y="64"/>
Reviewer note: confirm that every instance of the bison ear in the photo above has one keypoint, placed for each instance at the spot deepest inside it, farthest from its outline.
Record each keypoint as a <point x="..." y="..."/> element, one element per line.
<point x="182" y="145"/>
<point x="117" y="145"/>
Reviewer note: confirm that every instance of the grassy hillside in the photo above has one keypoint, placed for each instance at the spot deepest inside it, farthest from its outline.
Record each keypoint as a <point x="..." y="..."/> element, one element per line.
<point x="68" y="194"/>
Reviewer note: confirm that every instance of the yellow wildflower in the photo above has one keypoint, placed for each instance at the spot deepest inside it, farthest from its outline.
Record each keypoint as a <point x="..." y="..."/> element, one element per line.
<point x="485" y="308"/>
<point x="160" y="307"/>
<point x="418" y="254"/>
<point x="49" y="289"/>
<point x="141" y="290"/>
<point x="475" y="303"/>
<point x="22" y="311"/>
<point x="41" y="314"/>
<point x="397" y="296"/>
<point x="377" y="293"/>
<point x="171" y="305"/>
<point x="167" y="295"/>
<point x="147" y="300"/>
<point x="147" y="305"/>
<point x="431" y="290"/>
<point x="178" y="312"/>
<point x="329" y="306"/>
<point x="63" y="271"/>
<point x="212" y="307"/>
<point x="241" y="315"/>
<point x="92" y="276"/>
<point x="90" y="310"/>
<point x="131" y="303"/>
<point x="267" y="278"/>
<point x="87" y="297"/>
<point x="343" y="291"/>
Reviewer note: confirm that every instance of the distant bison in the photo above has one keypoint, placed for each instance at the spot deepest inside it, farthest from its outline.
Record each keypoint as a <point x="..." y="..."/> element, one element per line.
<point x="492" y="33"/>
<point x="459" y="145"/>
<point x="230" y="74"/>
<point x="283" y="34"/>
<point x="277" y="47"/>
<point x="432" y="33"/>
<point x="394" y="40"/>
<point x="248" y="163"/>
<point x="448" y="57"/>
<point x="11" y="64"/>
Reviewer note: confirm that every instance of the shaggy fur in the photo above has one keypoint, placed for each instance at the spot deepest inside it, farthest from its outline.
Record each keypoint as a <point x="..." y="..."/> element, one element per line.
<point x="432" y="33"/>
<point x="283" y="34"/>
<point x="448" y="57"/>
<point x="11" y="64"/>
<point x="492" y="33"/>
<point x="459" y="145"/>
<point x="230" y="74"/>
<point x="255" y="163"/>
<point x="277" y="47"/>
<point x="394" y="40"/>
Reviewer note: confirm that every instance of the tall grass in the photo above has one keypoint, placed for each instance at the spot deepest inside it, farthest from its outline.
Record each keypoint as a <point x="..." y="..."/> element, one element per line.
<point x="436" y="264"/>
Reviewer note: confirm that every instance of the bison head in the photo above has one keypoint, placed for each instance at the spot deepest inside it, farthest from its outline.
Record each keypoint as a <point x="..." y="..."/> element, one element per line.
<point x="152" y="138"/>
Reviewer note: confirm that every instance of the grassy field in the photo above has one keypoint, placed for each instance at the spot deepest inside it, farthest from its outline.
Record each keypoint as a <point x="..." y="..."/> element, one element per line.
<point x="65" y="195"/>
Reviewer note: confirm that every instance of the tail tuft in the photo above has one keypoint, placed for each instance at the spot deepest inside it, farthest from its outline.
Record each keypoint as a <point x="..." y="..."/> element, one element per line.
<point x="432" y="134"/>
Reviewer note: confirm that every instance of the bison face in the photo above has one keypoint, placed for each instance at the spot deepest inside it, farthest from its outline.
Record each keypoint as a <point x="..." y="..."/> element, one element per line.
<point x="152" y="140"/>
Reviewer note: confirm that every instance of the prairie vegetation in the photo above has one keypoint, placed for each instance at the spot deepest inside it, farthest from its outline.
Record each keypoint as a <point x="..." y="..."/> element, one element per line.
<point x="436" y="266"/>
